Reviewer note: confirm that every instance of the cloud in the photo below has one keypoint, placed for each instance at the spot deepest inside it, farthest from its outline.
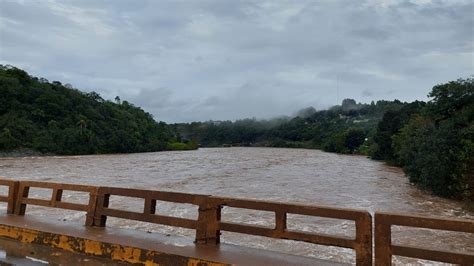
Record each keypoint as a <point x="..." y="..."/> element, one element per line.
<point x="367" y="93"/>
<point x="184" y="61"/>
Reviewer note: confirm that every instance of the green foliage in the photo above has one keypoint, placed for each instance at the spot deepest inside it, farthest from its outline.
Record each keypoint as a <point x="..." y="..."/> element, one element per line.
<point x="433" y="142"/>
<point x="436" y="147"/>
<point x="391" y="123"/>
<point x="346" y="142"/>
<point x="244" y="132"/>
<point x="52" y="118"/>
<point x="336" y="143"/>
<point x="326" y="129"/>
<point x="306" y="112"/>
<point x="451" y="98"/>
<point x="181" y="146"/>
<point x="354" y="137"/>
<point x="7" y="141"/>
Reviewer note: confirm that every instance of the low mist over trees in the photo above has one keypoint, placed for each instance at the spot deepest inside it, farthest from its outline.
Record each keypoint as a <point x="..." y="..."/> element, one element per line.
<point x="342" y="128"/>
<point x="49" y="117"/>
<point x="432" y="141"/>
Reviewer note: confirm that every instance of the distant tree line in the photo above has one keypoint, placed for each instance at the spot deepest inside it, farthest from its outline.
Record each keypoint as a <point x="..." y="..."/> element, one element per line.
<point x="343" y="128"/>
<point x="432" y="141"/>
<point x="50" y="117"/>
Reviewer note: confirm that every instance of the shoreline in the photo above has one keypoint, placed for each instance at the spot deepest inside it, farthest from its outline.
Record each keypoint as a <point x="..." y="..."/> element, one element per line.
<point x="23" y="153"/>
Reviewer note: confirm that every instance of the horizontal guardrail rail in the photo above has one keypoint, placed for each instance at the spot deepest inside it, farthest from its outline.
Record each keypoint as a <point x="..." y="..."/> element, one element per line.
<point x="209" y="224"/>
<point x="149" y="209"/>
<point x="56" y="201"/>
<point x="362" y="243"/>
<point x="384" y="249"/>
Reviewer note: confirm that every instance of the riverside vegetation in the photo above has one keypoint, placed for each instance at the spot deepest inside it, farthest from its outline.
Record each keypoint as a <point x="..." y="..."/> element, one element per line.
<point x="51" y="118"/>
<point x="432" y="141"/>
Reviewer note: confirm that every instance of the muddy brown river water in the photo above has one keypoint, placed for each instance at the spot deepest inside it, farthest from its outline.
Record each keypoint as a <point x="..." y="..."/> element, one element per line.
<point x="286" y="175"/>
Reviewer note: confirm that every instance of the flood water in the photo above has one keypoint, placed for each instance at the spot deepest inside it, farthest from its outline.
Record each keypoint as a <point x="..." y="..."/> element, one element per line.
<point x="287" y="175"/>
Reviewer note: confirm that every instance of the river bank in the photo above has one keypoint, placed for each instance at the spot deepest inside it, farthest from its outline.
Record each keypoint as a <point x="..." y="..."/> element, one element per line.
<point x="172" y="146"/>
<point x="23" y="153"/>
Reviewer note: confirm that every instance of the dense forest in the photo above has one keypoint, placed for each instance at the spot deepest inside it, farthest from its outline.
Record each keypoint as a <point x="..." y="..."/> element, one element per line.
<point x="432" y="141"/>
<point x="52" y="118"/>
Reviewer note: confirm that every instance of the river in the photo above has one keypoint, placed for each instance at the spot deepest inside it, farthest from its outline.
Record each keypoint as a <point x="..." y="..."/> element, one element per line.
<point x="288" y="175"/>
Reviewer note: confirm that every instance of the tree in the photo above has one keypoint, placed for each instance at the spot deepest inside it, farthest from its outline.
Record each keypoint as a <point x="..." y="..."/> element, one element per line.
<point x="390" y="125"/>
<point x="306" y="112"/>
<point x="95" y="96"/>
<point x="7" y="141"/>
<point x="354" y="137"/>
<point x="82" y="125"/>
<point x="436" y="148"/>
<point x="450" y="98"/>
<point x="348" y="104"/>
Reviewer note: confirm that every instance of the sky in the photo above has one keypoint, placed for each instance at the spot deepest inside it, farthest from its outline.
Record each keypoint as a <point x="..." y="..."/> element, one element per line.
<point x="204" y="60"/>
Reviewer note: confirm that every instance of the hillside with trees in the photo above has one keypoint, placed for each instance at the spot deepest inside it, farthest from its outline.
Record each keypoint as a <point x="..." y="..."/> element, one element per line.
<point x="52" y="118"/>
<point x="342" y="128"/>
<point x="432" y="141"/>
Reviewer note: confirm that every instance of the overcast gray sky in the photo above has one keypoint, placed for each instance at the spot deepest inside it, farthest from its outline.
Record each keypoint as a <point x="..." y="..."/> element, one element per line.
<point x="201" y="60"/>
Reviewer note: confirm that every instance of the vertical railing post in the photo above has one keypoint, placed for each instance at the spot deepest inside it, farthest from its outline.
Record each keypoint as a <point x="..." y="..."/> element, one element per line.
<point x="23" y="192"/>
<point x="92" y="207"/>
<point x="150" y="206"/>
<point x="207" y="230"/>
<point x="12" y="196"/>
<point x="101" y="200"/>
<point x="383" y="241"/>
<point x="280" y="221"/>
<point x="363" y="247"/>
<point x="56" y="196"/>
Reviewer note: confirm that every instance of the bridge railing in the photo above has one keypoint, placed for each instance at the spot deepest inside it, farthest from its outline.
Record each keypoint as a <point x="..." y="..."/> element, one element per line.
<point x="384" y="249"/>
<point x="361" y="243"/>
<point x="149" y="209"/>
<point x="209" y="223"/>
<point x="56" y="199"/>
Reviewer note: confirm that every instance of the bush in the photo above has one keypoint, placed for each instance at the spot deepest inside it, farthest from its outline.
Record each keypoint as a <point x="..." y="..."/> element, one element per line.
<point x="180" y="146"/>
<point x="347" y="142"/>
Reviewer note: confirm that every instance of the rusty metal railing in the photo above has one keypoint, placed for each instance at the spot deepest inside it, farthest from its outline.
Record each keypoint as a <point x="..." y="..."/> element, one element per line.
<point x="384" y="249"/>
<point x="11" y="197"/>
<point x="209" y="224"/>
<point x="56" y="201"/>
<point x="149" y="209"/>
<point x="362" y="243"/>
